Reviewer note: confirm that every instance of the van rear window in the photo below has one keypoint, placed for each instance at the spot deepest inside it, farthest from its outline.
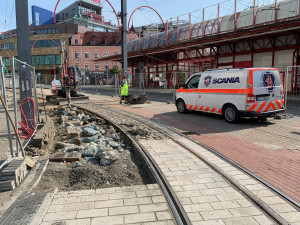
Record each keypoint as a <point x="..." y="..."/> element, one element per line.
<point x="264" y="78"/>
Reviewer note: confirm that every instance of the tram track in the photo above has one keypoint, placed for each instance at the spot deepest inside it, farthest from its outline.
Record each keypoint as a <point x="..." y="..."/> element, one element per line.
<point x="114" y="117"/>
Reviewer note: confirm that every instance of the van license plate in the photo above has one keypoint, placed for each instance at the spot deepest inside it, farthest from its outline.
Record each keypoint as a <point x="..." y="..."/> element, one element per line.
<point x="262" y="98"/>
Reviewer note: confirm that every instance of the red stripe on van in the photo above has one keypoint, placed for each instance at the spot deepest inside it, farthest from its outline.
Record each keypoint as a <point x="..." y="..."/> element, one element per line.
<point x="195" y="108"/>
<point x="273" y="106"/>
<point x="216" y="91"/>
<point x="261" y="107"/>
<point x="282" y="101"/>
<point x="186" y="90"/>
<point x="224" y="91"/>
<point x="269" y="106"/>
<point x="213" y="110"/>
<point x="250" y="82"/>
<point x="253" y="106"/>
<point x="219" y="111"/>
<point x="207" y="108"/>
<point x="278" y="104"/>
<point x="191" y="107"/>
<point x="186" y="106"/>
<point x="201" y="108"/>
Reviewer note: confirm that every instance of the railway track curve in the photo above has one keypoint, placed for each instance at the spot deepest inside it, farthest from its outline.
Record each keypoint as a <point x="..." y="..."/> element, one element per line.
<point x="154" y="132"/>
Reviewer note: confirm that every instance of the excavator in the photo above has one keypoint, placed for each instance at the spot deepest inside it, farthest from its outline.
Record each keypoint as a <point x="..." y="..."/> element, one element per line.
<point x="64" y="86"/>
<point x="64" y="82"/>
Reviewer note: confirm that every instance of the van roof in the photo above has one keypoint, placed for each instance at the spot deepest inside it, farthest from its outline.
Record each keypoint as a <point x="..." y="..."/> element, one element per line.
<point x="236" y="69"/>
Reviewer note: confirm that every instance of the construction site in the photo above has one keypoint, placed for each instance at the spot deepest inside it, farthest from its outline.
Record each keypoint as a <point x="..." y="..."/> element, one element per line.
<point x="190" y="120"/>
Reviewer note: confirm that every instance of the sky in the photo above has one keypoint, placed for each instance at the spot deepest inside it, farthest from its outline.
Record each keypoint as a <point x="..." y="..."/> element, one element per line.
<point x="168" y="9"/>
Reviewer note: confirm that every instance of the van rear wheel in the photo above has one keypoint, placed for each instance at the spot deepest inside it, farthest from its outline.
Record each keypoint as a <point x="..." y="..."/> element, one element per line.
<point x="181" y="106"/>
<point x="230" y="114"/>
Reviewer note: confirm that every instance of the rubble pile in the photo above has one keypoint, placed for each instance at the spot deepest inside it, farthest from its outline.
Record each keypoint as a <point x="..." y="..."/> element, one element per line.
<point x="92" y="137"/>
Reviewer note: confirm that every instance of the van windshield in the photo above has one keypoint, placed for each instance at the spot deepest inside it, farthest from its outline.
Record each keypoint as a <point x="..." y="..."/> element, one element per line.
<point x="193" y="82"/>
<point x="265" y="78"/>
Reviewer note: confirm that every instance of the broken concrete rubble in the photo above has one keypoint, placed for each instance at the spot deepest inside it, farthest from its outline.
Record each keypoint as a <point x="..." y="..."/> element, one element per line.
<point x="88" y="135"/>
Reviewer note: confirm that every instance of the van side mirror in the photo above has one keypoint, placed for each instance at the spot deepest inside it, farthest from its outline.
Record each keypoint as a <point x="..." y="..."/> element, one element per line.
<point x="182" y="85"/>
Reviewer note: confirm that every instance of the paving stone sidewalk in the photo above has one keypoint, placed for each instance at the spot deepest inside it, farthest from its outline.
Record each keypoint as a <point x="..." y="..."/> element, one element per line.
<point x="205" y="195"/>
<point x="142" y="204"/>
<point x="270" y="150"/>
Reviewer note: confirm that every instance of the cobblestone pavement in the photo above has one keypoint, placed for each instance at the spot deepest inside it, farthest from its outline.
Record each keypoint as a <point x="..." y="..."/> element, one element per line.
<point x="271" y="150"/>
<point x="205" y="195"/>
<point x="142" y="204"/>
<point x="23" y="210"/>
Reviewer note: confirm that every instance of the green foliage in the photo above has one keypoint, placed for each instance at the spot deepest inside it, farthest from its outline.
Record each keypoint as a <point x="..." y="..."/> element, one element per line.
<point x="114" y="70"/>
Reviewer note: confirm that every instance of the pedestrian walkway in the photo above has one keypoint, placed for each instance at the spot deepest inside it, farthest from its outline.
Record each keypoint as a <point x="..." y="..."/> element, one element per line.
<point x="121" y="205"/>
<point x="270" y="150"/>
<point x="205" y="195"/>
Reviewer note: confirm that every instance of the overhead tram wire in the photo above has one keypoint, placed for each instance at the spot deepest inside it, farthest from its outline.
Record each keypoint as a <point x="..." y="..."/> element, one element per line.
<point x="12" y="9"/>
<point x="146" y="17"/>
<point x="197" y="10"/>
<point x="6" y="13"/>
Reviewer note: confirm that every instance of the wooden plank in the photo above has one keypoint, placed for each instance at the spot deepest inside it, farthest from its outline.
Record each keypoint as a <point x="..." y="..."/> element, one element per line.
<point x="64" y="157"/>
<point x="29" y="162"/>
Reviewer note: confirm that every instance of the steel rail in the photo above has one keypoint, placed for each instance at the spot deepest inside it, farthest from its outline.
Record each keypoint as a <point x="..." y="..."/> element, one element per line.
<point x="253" y="198"/>
<point x="294" y="202"/>
<point x="176" y="208"/>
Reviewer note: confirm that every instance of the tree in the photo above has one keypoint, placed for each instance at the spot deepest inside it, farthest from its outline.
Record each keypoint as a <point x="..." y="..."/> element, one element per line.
<point x="114" y="70"/>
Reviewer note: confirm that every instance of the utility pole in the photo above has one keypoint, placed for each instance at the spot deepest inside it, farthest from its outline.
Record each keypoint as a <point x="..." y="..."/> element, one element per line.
<point x="23" y="41"/>
<point x="124" y="36"/>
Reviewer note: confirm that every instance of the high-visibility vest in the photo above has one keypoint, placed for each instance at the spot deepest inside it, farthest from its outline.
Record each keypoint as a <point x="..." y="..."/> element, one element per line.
<point x="124" y="88"/>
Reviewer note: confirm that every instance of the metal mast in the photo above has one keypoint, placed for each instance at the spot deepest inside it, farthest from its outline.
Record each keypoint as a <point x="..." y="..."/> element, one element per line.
<point x="23" y="41"/>
<point x="124" y="36"/>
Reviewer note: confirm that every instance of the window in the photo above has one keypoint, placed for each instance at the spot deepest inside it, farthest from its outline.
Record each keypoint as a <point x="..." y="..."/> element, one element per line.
<point x="116" y="53"/>
<point x="8" y="46"/>
<point x="45" y="43"/>
<point x="106" y="66"/>
<point x="106" y="54"/>
<point x="46" y="60"/>
<point x="116" y="65"/>
<point x="86" y="55"/>
<point x="193" y="82"/>
<point x="87" y="66"/>
<point x="76" y="54"/>
<point x="6" y="62"/>
<point x="37" y="19"/>
<point x="97" y="66"/>
<point x="77" y="65"/>
<point x="96" y="54"/>
<point x="76" y="41"/>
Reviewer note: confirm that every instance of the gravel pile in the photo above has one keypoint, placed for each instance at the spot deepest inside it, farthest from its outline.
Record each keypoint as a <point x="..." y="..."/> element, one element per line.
<point x="92" y="137"/>
<point x="107" y="158"/>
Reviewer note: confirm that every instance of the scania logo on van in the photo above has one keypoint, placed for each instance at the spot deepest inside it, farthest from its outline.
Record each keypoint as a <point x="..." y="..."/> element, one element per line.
<point x="207" y="80"/>
<point x="269" y="81"/>
<point x="226" y="80"/>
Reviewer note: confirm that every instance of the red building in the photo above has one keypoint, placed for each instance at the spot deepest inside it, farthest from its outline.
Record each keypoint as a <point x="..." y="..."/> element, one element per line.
<point x="85" y="47"/>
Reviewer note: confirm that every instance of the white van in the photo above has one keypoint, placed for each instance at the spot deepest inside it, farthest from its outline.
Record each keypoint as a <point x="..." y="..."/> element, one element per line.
<point x="233" y="93"/>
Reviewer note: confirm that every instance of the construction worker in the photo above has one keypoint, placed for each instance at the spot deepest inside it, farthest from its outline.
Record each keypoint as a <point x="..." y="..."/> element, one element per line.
<point x="124" y="90"/>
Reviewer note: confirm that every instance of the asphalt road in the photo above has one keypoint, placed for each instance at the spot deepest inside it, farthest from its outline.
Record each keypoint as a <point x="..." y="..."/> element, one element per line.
<point x="159" y="95"/>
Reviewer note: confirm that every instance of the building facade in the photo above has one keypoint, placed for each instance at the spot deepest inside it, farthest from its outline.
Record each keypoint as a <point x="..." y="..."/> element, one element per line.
<point x="84" y="48"/>
<point x="45" y="44"/>
<point x="87" y="47"/>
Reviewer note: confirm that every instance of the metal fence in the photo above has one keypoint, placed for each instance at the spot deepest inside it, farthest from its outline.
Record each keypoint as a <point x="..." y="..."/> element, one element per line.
<point x="157" y="86"/>
<point x="24" y="112"/>
<point x="292" y="89"/>
<point x="163" y="86"/>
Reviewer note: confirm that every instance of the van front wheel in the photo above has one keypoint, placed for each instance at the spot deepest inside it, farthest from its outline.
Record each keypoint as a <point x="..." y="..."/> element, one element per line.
<point x="230" y="113"/>
<point x="181" y="106"/>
